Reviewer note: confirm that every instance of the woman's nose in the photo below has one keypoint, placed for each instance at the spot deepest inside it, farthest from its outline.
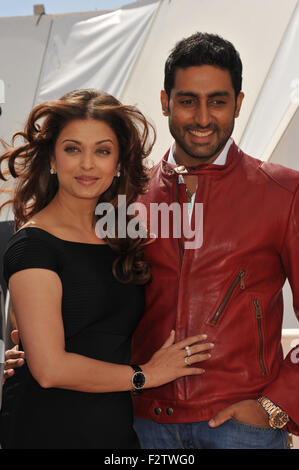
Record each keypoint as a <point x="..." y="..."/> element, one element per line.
<point x="87" y="160"/>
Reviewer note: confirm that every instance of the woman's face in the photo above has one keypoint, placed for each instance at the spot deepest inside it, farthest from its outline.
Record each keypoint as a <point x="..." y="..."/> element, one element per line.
<point x="86" y="158"/>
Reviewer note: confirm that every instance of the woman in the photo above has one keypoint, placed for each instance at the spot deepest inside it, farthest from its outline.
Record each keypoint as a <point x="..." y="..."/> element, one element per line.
<point x="76" y="297"/>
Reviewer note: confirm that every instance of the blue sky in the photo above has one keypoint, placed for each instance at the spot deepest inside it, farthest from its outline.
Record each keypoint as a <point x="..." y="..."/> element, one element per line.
<point x="25" y="7"/>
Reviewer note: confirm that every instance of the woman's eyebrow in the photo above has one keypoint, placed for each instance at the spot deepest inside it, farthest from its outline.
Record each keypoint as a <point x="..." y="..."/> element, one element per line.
<point x="71" y="140"/>
<point x="104" y="140"/>
<point x="78" y="142"/>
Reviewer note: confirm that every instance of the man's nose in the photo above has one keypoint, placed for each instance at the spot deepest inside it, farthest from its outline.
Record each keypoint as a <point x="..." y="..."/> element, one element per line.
<point x="202" y="115"/>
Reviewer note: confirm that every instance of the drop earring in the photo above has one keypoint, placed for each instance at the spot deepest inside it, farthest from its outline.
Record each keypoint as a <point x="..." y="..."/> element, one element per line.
<point x="52" y="171"/>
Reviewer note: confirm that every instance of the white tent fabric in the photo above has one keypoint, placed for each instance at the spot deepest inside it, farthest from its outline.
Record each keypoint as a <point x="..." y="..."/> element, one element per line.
<point x="279" y="97"/>
<point x="98" y="53"/>
<point x="2" y="92"/>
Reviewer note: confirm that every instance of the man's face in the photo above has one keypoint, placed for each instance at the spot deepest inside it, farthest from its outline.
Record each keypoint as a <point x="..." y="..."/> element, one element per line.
<point x="201" y="113"/>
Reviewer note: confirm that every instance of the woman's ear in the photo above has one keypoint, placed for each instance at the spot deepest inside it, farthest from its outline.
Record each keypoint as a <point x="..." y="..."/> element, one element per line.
<point x="52" y="165"/>
<point x="117" y="171"/>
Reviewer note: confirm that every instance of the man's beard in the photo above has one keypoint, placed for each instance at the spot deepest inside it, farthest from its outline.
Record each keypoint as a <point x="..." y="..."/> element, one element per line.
<point x="202" y="152"/>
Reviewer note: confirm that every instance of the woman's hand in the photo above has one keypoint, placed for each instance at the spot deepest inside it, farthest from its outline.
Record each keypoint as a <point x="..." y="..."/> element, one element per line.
<point x="13" y="357"/>
<point x="170" y="363"/>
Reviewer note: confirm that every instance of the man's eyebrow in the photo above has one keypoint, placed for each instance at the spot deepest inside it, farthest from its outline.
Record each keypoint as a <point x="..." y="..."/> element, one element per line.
<point x="218" y="93"/>
<point x="210" y="95"/>
<point x="187" y="93"/>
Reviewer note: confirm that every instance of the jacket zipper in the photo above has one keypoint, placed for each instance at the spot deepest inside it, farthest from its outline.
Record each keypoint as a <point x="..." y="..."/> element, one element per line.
<point x="238" y="280"/>
<point x="258" y="313"/>
<point x="180" y="246"/>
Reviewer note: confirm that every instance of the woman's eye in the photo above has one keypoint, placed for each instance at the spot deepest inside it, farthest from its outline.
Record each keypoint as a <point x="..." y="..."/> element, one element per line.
<point x="71" y="149"/>
<point x="104" y="151"/>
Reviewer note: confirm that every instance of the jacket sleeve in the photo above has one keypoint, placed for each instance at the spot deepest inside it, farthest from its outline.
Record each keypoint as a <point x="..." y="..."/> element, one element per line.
<point x="284" y="390"/>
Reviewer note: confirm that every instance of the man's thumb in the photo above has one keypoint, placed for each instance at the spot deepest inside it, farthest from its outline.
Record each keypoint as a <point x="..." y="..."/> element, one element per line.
<point x="220" y="417"/>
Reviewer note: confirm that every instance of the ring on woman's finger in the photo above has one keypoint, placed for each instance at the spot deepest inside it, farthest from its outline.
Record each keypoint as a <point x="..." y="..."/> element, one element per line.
<point x="187" y="360"/>
<point x="188" y="351"/>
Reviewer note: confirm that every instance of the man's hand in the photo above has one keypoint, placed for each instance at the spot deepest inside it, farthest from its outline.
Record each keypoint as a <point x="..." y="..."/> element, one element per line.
<point x="13" y="357"/>
<point x="246" y="411"/>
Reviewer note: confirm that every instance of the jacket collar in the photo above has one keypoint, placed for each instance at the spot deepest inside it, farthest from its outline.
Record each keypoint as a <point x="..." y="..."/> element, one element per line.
<point x="171" y="171"/>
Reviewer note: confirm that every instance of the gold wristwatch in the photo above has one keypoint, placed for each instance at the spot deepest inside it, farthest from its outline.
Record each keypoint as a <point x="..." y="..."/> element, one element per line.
<point x="277" y="417"/>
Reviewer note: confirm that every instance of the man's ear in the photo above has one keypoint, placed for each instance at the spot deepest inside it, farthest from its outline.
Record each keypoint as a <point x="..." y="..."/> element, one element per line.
<point x="164" y="102"/>
<point x="239" y="100"/>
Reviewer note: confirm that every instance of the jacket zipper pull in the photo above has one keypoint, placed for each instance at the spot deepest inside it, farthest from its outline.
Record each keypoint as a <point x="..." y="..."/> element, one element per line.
<point x="258" y="313"/>
<point x="242" y="281"/>
<point x="257" y="309"/>
<point x="238" y="278"/>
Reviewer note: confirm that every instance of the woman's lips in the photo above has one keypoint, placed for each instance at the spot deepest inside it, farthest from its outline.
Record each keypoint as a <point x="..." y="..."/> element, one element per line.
<point x="86" y="180"/>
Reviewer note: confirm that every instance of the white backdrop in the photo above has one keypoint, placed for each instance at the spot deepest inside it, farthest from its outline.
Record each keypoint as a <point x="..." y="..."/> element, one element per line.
<point x="278" y="99"/>
<point x="94" y="53"/>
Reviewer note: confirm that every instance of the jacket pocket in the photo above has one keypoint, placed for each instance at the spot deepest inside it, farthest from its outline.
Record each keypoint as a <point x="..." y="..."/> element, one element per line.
<point x="259" y="316"/>
<point x="238" y="281"/>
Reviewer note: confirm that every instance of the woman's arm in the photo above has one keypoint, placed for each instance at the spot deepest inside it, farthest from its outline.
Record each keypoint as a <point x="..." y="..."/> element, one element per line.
<point x="36" y="296"/>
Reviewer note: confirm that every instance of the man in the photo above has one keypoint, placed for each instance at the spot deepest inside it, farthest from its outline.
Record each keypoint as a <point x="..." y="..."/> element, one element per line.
<point x="230" y="286"/>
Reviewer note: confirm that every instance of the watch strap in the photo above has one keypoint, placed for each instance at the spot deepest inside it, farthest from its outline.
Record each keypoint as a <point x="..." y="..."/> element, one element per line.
<point x="136" y="368"/>
<point x="268" y="405"/>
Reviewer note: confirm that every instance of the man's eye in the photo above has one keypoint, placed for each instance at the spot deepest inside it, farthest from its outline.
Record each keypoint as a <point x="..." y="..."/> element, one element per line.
<point x="218" y="102"/>
<point x="188" y="102"/>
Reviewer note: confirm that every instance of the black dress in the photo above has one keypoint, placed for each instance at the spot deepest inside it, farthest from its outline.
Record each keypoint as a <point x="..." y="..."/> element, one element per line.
<point x="99" y="316"/>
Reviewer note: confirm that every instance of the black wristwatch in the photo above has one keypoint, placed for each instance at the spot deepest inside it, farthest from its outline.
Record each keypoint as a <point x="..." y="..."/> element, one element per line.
<point x="138" y="379"/>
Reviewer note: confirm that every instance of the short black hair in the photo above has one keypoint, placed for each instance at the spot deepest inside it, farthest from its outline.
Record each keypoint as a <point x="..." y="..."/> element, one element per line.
<point x="203" y="49"/>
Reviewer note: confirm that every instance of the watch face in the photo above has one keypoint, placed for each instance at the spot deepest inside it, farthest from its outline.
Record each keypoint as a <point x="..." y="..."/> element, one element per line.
<point x="138" y="380"/>
<point x="278" y="419"/>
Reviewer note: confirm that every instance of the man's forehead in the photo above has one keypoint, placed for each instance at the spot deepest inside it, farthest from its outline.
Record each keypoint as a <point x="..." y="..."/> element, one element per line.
<point x="204" y="79"/>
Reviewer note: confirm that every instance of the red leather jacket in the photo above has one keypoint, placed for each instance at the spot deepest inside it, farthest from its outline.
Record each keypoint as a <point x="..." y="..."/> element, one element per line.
<point x="230" y="288"/>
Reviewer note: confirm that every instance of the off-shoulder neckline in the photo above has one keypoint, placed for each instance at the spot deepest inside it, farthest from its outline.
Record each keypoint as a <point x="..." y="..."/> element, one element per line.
<point x="62" y="239"/>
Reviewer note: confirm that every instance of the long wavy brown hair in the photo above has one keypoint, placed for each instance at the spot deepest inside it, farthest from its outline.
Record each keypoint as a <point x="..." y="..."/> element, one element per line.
<point x="29" y="164"/>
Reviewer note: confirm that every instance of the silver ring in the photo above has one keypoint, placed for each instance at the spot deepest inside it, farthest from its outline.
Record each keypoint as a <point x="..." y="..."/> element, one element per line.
<point x="186" y="360"/>
<point x="188" y="351"/>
